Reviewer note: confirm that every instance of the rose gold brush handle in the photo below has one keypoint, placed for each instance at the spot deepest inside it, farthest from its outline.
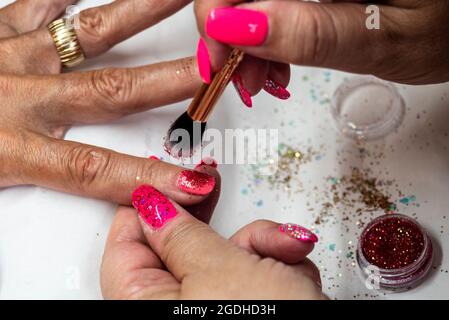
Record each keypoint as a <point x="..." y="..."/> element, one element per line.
<point x="207" y="96"/>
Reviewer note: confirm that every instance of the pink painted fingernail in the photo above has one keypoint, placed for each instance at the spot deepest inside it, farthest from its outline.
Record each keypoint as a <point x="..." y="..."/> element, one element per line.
<point x="153" y="206"/>
<point x="208" y="161"/>
<point x="154" y="158"/>
<point x="299" y="233"/>
<point x="196" y="183"/>
<point x="244" y="94"/>
<point x="203" y="60"/>
<point x="276" y="89"/>
<point x="237" y="26"/>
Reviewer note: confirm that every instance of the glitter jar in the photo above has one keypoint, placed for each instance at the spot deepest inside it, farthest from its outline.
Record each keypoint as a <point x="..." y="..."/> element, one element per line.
<point x="367" y="108"/>
<point x="394" y="253"/>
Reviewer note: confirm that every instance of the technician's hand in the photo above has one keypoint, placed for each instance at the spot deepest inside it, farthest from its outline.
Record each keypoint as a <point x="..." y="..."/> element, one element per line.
<point x="411" y="46"/>
<point x="166" y="253"/>
<point x="38" y="105"/>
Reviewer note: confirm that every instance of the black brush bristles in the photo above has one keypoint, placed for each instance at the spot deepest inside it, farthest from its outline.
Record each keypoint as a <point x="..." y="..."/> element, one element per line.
<point x="184" y="136"/>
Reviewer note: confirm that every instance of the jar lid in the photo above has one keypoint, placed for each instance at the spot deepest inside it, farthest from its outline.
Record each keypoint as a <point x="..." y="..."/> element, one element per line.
<point x="367" y="108"/>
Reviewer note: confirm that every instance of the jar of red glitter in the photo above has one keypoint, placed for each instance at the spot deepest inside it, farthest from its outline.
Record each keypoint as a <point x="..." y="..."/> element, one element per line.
<point x="394" y="253"/>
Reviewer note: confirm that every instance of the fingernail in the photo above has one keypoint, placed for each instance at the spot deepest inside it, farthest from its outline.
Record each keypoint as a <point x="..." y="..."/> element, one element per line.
<point x="203" y="60"/>
<point x="195" y="183"/>
<point x="154" y="158"/>
<point x="299" y="233"/>
<point x="275" y="89"/>
<point x="207" y="162"/>
<point x="153" y="206"/>
<point x="237" y="26"/>
<point x="244" y="94"/>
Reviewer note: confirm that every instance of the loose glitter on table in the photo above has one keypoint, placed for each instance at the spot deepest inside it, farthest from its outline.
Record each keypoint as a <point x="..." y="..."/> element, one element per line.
<point x="286" y="172"/>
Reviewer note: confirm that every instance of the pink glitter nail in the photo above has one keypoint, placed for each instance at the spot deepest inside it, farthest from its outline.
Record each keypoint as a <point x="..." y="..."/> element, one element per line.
<point x="196" y="183"/>
<point x="153" y="206"/>
<point x="207" y="162"/>
<point x="276" y="89"/>
<point x="299" y="233"/>
<point x="244" y="94"/>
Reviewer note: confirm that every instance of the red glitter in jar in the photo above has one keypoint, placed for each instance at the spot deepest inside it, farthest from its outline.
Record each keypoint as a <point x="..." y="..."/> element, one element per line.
<point x="393" y="243"/>
<point x="395" y="252"/>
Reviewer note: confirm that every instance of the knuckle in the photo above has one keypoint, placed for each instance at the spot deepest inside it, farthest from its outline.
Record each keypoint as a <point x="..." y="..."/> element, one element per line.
<point x="175" y="243"/>
<point x="151" y="172"/>
<point x="94" y="27"/>
<point x="5" y="85"/>
<point x="114" y="86"/>
<point x="86" y="165"/>
<point x="12" y="145"/>
<point x="317" y="43"/>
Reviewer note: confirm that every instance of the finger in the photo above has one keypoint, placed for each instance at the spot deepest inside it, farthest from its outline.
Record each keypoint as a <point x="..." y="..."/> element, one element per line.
<point x="266" y="239"/>
<point x="278" y="80"/>
<point x="280" y="73"/>
<point x="100" y="173"/>
<point x="203" y="211"/>
<point x="103" y="27"/>
<point x="304" y="33"/>
<point x="27" y="15"/>
<point x="310" y="274"/>
<point x="249" y="78"/>
<point x="254" y="71"/>
<point x="100" y="28"/>
<point x="130" y="269"/>
<point x="184" y="244"/>
<point x="104" y="95"/>
<point x="218" y="52"/>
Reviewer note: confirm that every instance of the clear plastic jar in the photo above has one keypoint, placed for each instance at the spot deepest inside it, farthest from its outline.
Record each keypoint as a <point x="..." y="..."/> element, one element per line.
<point x="367" y="108"/>
<point x="391" y="278"/>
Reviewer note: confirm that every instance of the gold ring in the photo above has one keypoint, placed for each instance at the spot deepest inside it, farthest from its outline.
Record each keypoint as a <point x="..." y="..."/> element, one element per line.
<point x="66" y="41"/>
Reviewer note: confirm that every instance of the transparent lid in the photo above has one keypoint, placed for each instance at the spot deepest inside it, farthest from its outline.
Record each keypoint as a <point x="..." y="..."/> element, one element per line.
<point x="367" y="108"/>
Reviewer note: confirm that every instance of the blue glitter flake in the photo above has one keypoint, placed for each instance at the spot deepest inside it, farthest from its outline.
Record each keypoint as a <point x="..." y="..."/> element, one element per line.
<point x="408" y="200"/>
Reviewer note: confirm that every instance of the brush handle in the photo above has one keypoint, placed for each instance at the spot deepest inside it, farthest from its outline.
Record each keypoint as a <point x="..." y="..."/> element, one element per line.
<point x="207" y="96"/>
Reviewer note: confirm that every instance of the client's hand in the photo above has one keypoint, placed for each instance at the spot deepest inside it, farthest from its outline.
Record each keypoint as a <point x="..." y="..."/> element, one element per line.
<point x="165" y="253"/>
<point x="38" y="105"/>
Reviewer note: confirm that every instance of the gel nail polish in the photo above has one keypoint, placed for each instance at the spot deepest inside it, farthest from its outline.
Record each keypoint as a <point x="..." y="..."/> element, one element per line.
<point x="299" y="233"/>
<point x="276" y="89"/>
<point x="195" y="183"/>
<point x="207" y="162"/>
<point x="244" y="94"/>
<point x="237" y="26"/>
<point x="153" y="206"/>
<point x="203" y="60"/>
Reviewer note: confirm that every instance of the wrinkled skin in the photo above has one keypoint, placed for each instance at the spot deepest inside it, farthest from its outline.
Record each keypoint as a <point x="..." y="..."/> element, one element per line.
<point x="410" y="47"/>
<point x="39" y="103"/>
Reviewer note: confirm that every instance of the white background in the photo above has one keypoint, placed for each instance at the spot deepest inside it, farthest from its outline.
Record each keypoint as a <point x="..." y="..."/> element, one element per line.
<point x="51" y="243"/>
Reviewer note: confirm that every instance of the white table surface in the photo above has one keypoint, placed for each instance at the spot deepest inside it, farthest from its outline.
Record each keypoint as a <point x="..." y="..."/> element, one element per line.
<point x="51" y="243"/>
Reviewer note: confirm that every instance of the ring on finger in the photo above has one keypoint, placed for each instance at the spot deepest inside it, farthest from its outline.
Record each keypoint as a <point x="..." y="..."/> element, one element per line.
<point x="66" y="41"/>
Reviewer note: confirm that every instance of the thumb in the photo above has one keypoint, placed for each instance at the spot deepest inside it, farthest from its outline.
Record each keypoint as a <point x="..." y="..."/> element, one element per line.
<point x="330" y="35"/>
<point x="184" y="244"/>
<point x="289" y="243"/>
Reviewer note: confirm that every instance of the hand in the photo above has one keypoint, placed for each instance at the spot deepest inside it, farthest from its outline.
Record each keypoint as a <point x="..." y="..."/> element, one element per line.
<point x="39" y="105"/>
<point x="180" y="257"/>
<point x="410" y="47"/>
